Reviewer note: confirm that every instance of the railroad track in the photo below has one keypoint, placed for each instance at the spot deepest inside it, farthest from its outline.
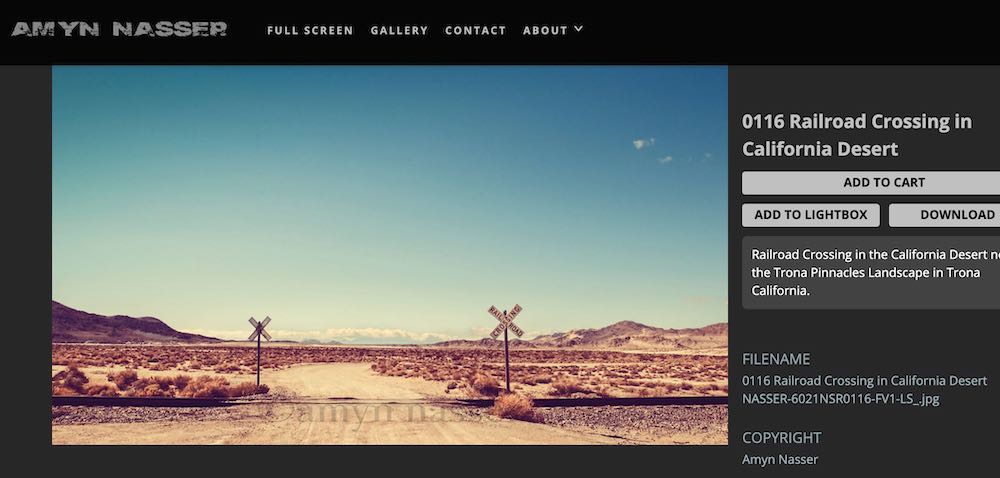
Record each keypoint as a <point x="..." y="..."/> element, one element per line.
<point x="89" y="401"/>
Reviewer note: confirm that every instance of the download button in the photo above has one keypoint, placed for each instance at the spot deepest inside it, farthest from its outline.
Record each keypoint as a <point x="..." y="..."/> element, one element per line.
<point x="944" y="215"/>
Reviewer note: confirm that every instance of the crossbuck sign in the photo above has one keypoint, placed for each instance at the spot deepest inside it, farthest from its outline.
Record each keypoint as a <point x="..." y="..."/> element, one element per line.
<point x="506" y="323"/>
<point x="258" y="332"/>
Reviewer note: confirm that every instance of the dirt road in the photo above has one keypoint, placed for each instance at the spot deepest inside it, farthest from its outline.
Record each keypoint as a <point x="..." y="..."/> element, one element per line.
<point x="381" y="410"/>
<point x="353" y="380"/>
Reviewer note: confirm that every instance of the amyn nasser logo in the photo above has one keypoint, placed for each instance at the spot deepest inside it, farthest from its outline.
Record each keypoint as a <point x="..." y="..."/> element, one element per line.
<point x="179" y="29"/>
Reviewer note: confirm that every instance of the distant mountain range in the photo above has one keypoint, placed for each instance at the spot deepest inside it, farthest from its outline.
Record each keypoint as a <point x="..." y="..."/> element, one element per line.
<point x="625" y="335"/>
<point x="71" y="325"/>
<point x="320" y="342"/>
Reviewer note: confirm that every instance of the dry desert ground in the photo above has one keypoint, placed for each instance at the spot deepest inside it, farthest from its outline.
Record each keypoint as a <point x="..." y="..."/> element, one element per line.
<point x="382" y="395"/>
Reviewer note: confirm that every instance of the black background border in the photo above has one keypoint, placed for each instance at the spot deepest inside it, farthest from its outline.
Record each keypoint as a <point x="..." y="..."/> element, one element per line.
<point x="630" y="35"/>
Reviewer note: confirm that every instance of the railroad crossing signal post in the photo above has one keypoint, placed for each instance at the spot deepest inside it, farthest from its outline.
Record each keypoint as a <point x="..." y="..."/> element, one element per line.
<point x="506" y="357"/>
<point x="258" y="331"/>
<point x="506" y="322"/>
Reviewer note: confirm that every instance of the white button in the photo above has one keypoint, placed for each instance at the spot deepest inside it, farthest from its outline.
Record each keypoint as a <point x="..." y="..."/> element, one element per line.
<point x="837" y="183"/>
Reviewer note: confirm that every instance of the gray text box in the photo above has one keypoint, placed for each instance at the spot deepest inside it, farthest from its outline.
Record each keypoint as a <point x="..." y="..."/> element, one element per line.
<point x="866" y="292"/>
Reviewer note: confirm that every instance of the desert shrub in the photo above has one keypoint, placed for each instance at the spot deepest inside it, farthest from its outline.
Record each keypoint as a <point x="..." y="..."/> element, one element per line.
<point x="215" y="387"/>
<point x="516" y="407"/>
<point x="75" y="379"/>
<point x="124" y="378"/>
<point x="101" y="389"/>
<point x="206" y="387"/>
<point x="707" y="388"/>
<point x="69" y="382"/>
<point x="60" y="389"/>
<point x="669" y="388"/>
<point x="186" y="386"/>
<point x="229" y="367"/>
<point x="180" y="381"/>
<point x="543" y="378"/>
<point x="484" y="385"/>
<point x="567" y="386"/>
<point x="139" y="386"/>
<point x="246" y="388"/>
<point x="451" y="385"/>
<point x="145" y="389"/>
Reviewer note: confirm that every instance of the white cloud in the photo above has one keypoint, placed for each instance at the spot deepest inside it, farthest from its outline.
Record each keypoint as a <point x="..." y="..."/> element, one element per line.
<point x="643" y="143"/>
<point x="356" y="335"/>
<point x="665" y="159"/>
<point x="481" y="331"/>
<point x="230" y="334"/>
<point x="352" y="334"/>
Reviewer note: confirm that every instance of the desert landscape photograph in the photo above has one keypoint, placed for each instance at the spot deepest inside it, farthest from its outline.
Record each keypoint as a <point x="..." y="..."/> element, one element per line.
<point x="389" y="255"/>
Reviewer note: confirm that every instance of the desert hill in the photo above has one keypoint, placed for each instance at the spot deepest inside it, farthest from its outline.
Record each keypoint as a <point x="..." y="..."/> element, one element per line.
<point x="624" y="335"/>
<point x="633" y="335"/>
<point x="71" y="325"/>
<point x="483" y="343"/>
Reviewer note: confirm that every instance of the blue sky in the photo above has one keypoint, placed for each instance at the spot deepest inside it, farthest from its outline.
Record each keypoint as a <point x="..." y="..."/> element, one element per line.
<point x="391" y="204"/>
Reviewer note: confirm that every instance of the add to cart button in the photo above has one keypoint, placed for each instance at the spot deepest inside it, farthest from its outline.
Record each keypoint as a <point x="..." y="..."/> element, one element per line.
<point x="944" y="215"/>
<point x="811" y="215"/>
<point x="839" y="183"/>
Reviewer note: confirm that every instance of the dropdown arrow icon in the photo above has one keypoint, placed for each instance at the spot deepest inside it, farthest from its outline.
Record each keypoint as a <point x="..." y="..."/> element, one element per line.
<point x="578" y="28"/>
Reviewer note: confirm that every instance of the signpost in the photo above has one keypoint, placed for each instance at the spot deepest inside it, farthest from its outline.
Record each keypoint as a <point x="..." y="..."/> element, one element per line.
<point x="506" y="323"/>
<point x="258" y="331"/>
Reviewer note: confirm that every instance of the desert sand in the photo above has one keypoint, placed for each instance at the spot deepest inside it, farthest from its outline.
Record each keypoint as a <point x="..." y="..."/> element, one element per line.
<point x="380" y="410"/>
<point x="359" y="402"/>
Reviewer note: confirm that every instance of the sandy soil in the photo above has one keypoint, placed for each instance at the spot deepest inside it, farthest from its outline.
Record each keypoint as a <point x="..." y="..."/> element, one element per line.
<point x="368" y="418"/>
<point x="348" y="403"/>
<point x="360" y="423"/>
<point x="354" y="380"/>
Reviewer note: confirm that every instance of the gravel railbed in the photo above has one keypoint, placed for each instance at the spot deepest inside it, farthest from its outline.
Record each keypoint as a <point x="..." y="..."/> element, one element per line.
<point x="645" y="423"/>
<point x="79" y="415"/>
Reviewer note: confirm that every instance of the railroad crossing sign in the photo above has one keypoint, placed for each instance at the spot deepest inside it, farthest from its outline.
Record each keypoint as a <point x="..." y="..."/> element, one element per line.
<point x="258" y="332"/>
<point x="259" y="329"/>
<point x="506" y="323"/>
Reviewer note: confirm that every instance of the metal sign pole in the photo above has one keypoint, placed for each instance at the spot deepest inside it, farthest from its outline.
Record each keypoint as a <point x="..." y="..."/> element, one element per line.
<point x="506" y="356"/>
<point x="506" y="323"/>
<point x="258" y="331"/>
